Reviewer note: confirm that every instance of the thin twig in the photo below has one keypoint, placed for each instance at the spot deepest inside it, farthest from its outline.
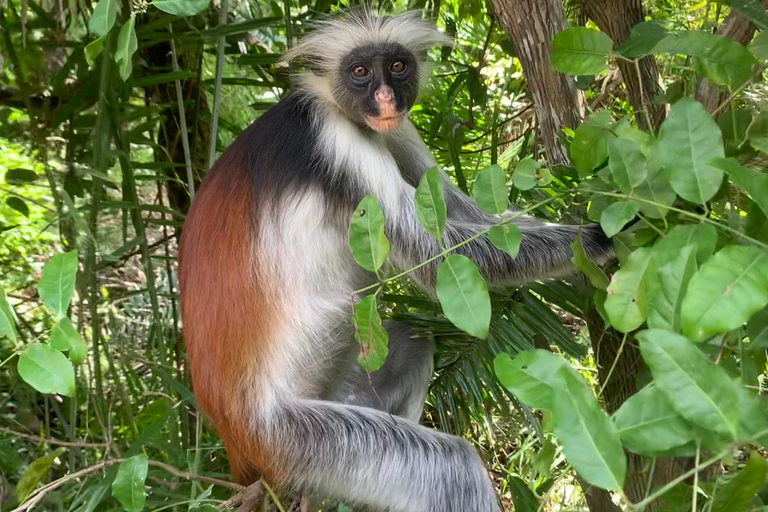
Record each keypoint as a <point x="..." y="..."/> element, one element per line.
<point x="182" y="120"/>
<point x="217" y="87"/>
<point x="51" y="441"/>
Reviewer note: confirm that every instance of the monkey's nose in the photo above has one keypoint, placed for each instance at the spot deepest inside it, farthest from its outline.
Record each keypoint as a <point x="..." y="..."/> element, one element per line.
<point x="384" y="94"/>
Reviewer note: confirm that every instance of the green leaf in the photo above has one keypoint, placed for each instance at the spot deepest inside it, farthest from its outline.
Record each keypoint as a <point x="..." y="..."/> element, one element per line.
<point x="648" y="424"/>
<point x="725" y="292"/>
<point x="757" y="132"/>
<point x="19" y="176"/>
<point x="463" y="295"/>
<point x="47" y="370"/>
<point x="736" y="493"/>
<point x="704" y="236"/>
<point x="532" y="376"/>
<point x="627" y="164"/>
<point x="367" y="240"/>
<point x="595" y="274"/>
<point x="580" y="51"/>
<point x="430" y="203"/>
<point x="103" y="17"/>
<point x="666" y="302"/>
<point x="754" y="183"/>
<point x="128" y="486"/>
<point x="727" y="63"/>
<point x="7" y="318"/>
<point x="656" y="191"/>
<point x="182" y="7"/>
<point x="57" y="282"/>
<point x="524" y="175"/>
<point x="589" y="147"/>
<point x="700" y="390"/>
<point x="629" y="291"/>
<point x="589" y="438"/>
<point x="127" y="44"/>
<point x="616" y="216"/>
<point x="64" y="337"/>
<point x="753" y="417"/>
<point x="35" y="473"/>
<point x="523" y="498"/>
<point x="93" y="50"/>
<point x="759" y="46"/>
<point x="545" y="457"/>
<point x="643" y="39"/>
<point x="370" y="334"/>
<point x="506" y="237"/>
<point x="688" y="140"/>
<point x="490" y="190"/>
<point x="18" y="204"/>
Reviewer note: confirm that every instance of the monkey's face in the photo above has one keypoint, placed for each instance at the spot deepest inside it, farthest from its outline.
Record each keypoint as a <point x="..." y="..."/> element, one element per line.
<point x="378" y="85"/>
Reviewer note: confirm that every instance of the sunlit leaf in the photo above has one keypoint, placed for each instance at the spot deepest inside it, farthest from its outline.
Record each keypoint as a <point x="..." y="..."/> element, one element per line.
<point x="616" y="216"/>
<point x="127" y="44"/>
<point x="7" y="318"/>
<point x="531" y="376"/>
<point x="47" y="370"/>
<point x="64" y="337"/>
<point x="589" y="438"/>
<point x="629" y="291"/>
<point x="463" y="295"/>
<point x="524" y="175"/>
<point x="93" y="50"/>
<point x="57" y="282"/>
<point x="367" y="240"/>
<point x="580" y="51"/>
<point x="430" y="203"/>
<point x="370" y="334"/>
<point x="490" y="190"/>
<point x="128" y="486"/>
<point x="688" y="140"/>
<point x="103" y="17"/>
<point x="181" y="7"/>
<point x="726" y="291"/>
<point x="697" y="388"/>
<point x="506" y="237"/>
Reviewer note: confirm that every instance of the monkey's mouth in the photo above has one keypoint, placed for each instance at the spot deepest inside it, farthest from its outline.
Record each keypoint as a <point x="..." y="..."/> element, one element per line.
<point x="384" y="123"/>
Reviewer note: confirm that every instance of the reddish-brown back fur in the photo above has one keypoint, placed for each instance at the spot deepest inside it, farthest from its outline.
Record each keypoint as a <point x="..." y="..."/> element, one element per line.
<point x="226" y="311"/>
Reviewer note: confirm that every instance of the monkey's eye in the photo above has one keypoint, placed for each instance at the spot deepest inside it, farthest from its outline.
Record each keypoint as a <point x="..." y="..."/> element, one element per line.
<point x="360" y="71"/>
<point x="397" y="67"/>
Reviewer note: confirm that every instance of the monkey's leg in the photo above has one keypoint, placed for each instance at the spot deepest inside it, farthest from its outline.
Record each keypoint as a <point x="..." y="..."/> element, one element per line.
<point x="400" y="385"/>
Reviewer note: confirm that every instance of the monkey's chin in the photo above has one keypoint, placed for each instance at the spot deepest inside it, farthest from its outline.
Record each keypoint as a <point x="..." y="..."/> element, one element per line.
<point x="384" y="124"/>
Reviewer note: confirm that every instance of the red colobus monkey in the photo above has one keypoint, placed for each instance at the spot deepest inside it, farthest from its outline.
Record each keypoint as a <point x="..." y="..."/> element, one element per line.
<point x="266" y="276"/>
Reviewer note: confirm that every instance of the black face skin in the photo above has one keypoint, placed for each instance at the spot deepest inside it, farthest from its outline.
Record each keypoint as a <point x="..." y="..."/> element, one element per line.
<point x="369" y="68"/>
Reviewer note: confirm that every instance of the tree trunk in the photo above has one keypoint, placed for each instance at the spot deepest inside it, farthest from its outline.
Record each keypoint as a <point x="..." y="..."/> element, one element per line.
<point x="736" y="26"/>
<point x="531" y="25"/>
<point x="616" y="18"/>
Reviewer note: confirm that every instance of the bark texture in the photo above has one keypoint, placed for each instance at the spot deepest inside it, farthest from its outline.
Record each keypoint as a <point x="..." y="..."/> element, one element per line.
<point x="616" y="18"/>
<point x="531" y="25"/>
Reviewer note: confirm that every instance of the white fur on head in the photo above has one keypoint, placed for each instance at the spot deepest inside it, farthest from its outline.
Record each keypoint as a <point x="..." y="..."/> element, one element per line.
<point x="325" y="47"/>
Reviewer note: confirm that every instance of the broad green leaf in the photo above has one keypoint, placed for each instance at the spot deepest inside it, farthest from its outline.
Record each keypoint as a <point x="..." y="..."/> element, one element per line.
<point x="643" y="39"/>
<point x="93" y="50"/>
<point x="666" y="302"/>
<point x="616" y="216"/>
<point x="128" y="486"/>
<point x="490" y="190"/>
<point x="757" y="132"/>
<point x="589" y="147"/>
<point x="57" y="282"/>
<point x="759" y="46"/>
<point x="725" y="292"/>
<point x="463" y="295"/>
<point x="127" y="44"/>
<point x="595" y="274"/>
<point x="700" y="390"/>
<point x="370" y="334"/>
<point x="506" y="237"/>
<point x="688" y="140"/>
<point x="35" y="473"/>
<point x="20" y="176"/>
<point x="523" y="497"/>
<point x="47" y="370"/>
<point x="18" y="204"/>
<point x="734" y="492"/>
<point x="589" y="438"/>
<point x="753" y="416"/>
<point x="627" y="164"/>
<point x="727" y="63"/>
<point x="734" y="125"/>
<point x="655" y="194"/>
<point x="704" y="236"/>
<point x="182" y="7"/>
<point x="545" y="457"/>
<point x="103" y="17"/>
<point x="524" y="175"/>
<point x="367" y="240"/>
<point x="430" y="203"/>
<point x="629" y="291"/>
<point x="64" y="337"/>
<point x="648" y="424"/>
<point x="580" y="51"/>
<point x="531" y="376"/>
<point x="7" y="318"/>
<point x="754" y="183"/>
